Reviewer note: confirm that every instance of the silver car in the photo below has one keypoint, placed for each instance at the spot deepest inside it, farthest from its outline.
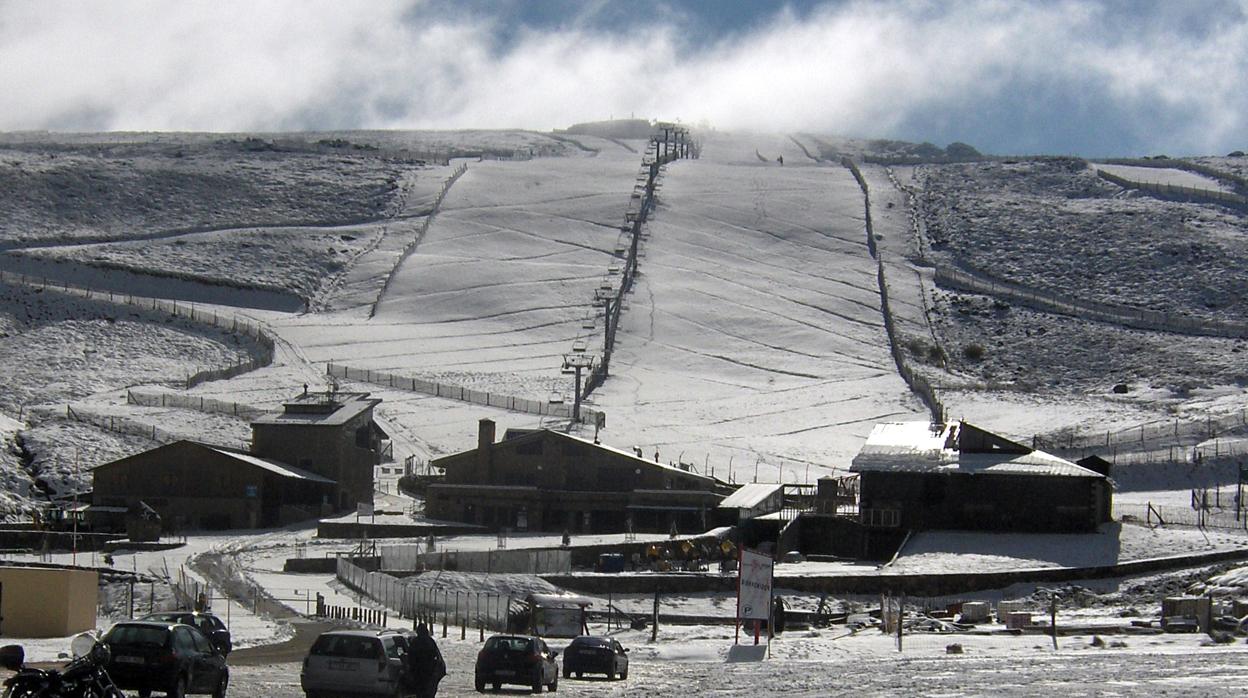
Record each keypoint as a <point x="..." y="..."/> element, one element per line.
<point x="354" y="663"/>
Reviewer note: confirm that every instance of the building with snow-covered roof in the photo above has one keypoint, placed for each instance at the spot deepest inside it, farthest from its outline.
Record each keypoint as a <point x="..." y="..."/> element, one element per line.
<point x="917" y="475"/>
<point x="546" y="480"/>
<point x="753" y="499"/>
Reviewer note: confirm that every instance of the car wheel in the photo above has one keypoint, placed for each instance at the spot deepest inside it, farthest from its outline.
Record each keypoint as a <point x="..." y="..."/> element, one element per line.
<point x="567" y="673"/>
<point x="479" y="684"/>
<point x="537" y="681"/>
<point x="222" y="685"/>
<point x="624" y="674"/>
<point x="498" y="687"/>
<point x="554" y="685"/>
<point x="179" y="688"/>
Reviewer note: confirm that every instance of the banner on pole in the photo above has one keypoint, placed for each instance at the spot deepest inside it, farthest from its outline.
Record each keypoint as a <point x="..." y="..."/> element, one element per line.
<point x="754" y="586"/>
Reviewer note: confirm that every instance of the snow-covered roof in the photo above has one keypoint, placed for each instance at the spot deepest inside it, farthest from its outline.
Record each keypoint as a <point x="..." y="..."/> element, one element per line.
<point x="918" y="447"/>
<point x="749" y="496"/>
<point x="273" y="466"/>
<point x="560" y="600"/>
<point x="320" y="409"/>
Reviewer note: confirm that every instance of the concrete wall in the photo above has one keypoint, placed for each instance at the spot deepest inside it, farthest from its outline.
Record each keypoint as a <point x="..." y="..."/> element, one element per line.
<point x="47" y="602"/>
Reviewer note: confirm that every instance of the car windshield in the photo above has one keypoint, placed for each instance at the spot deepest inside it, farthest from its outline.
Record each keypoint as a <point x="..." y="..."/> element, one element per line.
<point x="348" y="646"/>
<point x="137" y="635"/>
<point x="508" y="644"/>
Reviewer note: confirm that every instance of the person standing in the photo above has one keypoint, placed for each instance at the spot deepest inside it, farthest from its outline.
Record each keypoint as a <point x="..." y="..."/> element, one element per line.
<point x="428" y="667"/>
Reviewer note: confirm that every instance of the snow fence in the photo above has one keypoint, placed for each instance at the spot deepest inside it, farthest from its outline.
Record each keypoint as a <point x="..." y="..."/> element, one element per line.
<point x="459" y="392"/>
<point x="410" y="558"/>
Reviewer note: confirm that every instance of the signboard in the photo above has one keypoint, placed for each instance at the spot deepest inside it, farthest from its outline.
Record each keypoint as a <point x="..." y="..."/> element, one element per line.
<point x="364" y="509"/>
<point x="754" y="586"/>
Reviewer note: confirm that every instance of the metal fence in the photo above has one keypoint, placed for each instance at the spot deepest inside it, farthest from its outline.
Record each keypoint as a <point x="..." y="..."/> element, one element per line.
<point x="482" y="610"/>
<point x="122" y="424"/>
<point x="1183" y="441"/>
<point x="198" y="403"/>
<point x="1219" y="517"/>
<point x="458" y="392"/>
<point x="420" y="234"/>
<point x="416" y="557"/>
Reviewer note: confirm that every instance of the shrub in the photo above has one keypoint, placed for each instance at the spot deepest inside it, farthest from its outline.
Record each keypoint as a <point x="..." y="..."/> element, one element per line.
<point x="973" y="352"/>
<point x="936" y="355"/>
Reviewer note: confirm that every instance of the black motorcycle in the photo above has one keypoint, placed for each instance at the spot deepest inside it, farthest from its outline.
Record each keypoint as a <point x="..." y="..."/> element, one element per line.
<point x="83" y="677"/>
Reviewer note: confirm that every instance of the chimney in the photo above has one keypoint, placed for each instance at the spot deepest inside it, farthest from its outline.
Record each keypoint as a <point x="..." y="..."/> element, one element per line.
<point x="485" y="444"/>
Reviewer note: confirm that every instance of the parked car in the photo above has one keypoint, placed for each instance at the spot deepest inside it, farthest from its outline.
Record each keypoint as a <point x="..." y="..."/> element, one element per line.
<point x="207" y="623"/>
<point x="354" y="663"/>
<point x="595" y="655"/>
<point x="517" y="659"/>
<point x="170" y="658"/>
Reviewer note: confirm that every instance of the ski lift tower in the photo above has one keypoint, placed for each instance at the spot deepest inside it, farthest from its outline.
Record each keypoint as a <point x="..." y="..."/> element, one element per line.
<point x="575" y="363"/>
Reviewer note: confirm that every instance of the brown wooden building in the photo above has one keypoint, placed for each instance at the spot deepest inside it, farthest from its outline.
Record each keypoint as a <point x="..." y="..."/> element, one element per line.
<point x="549" y="481"/>
<point x="914" y="476"/>
<point x="194" y="485"/>
<point x="330" y="434"/>
<point x="314" y="457"/>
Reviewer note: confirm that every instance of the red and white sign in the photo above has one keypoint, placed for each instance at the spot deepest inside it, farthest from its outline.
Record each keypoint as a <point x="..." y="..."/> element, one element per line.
<point x="754" y="586"/>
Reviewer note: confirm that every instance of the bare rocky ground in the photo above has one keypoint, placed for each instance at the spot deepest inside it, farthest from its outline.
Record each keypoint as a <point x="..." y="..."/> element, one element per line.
<point x="1053" y="225"/>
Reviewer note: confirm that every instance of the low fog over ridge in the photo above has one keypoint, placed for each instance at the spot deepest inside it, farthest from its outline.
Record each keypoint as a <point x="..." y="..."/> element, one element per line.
<point x="1095" y="78"/>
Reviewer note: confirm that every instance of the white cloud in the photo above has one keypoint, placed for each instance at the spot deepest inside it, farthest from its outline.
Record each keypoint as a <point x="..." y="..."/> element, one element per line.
<point x="870" y="68"/>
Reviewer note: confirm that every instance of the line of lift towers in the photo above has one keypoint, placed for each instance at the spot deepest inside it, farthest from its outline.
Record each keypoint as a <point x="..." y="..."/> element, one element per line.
<point x="669" y="142"/>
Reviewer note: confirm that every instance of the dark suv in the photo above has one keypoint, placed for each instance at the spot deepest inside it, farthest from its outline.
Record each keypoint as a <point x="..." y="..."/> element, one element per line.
<point x="208" y="624"/>
<point x="169" y="658"/>
<point x="517" y="659"/>
<point x="595" y="655"/>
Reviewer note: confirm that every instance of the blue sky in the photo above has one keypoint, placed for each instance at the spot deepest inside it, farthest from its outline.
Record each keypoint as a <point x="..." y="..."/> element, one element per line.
<point x="1106" y="77"/>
